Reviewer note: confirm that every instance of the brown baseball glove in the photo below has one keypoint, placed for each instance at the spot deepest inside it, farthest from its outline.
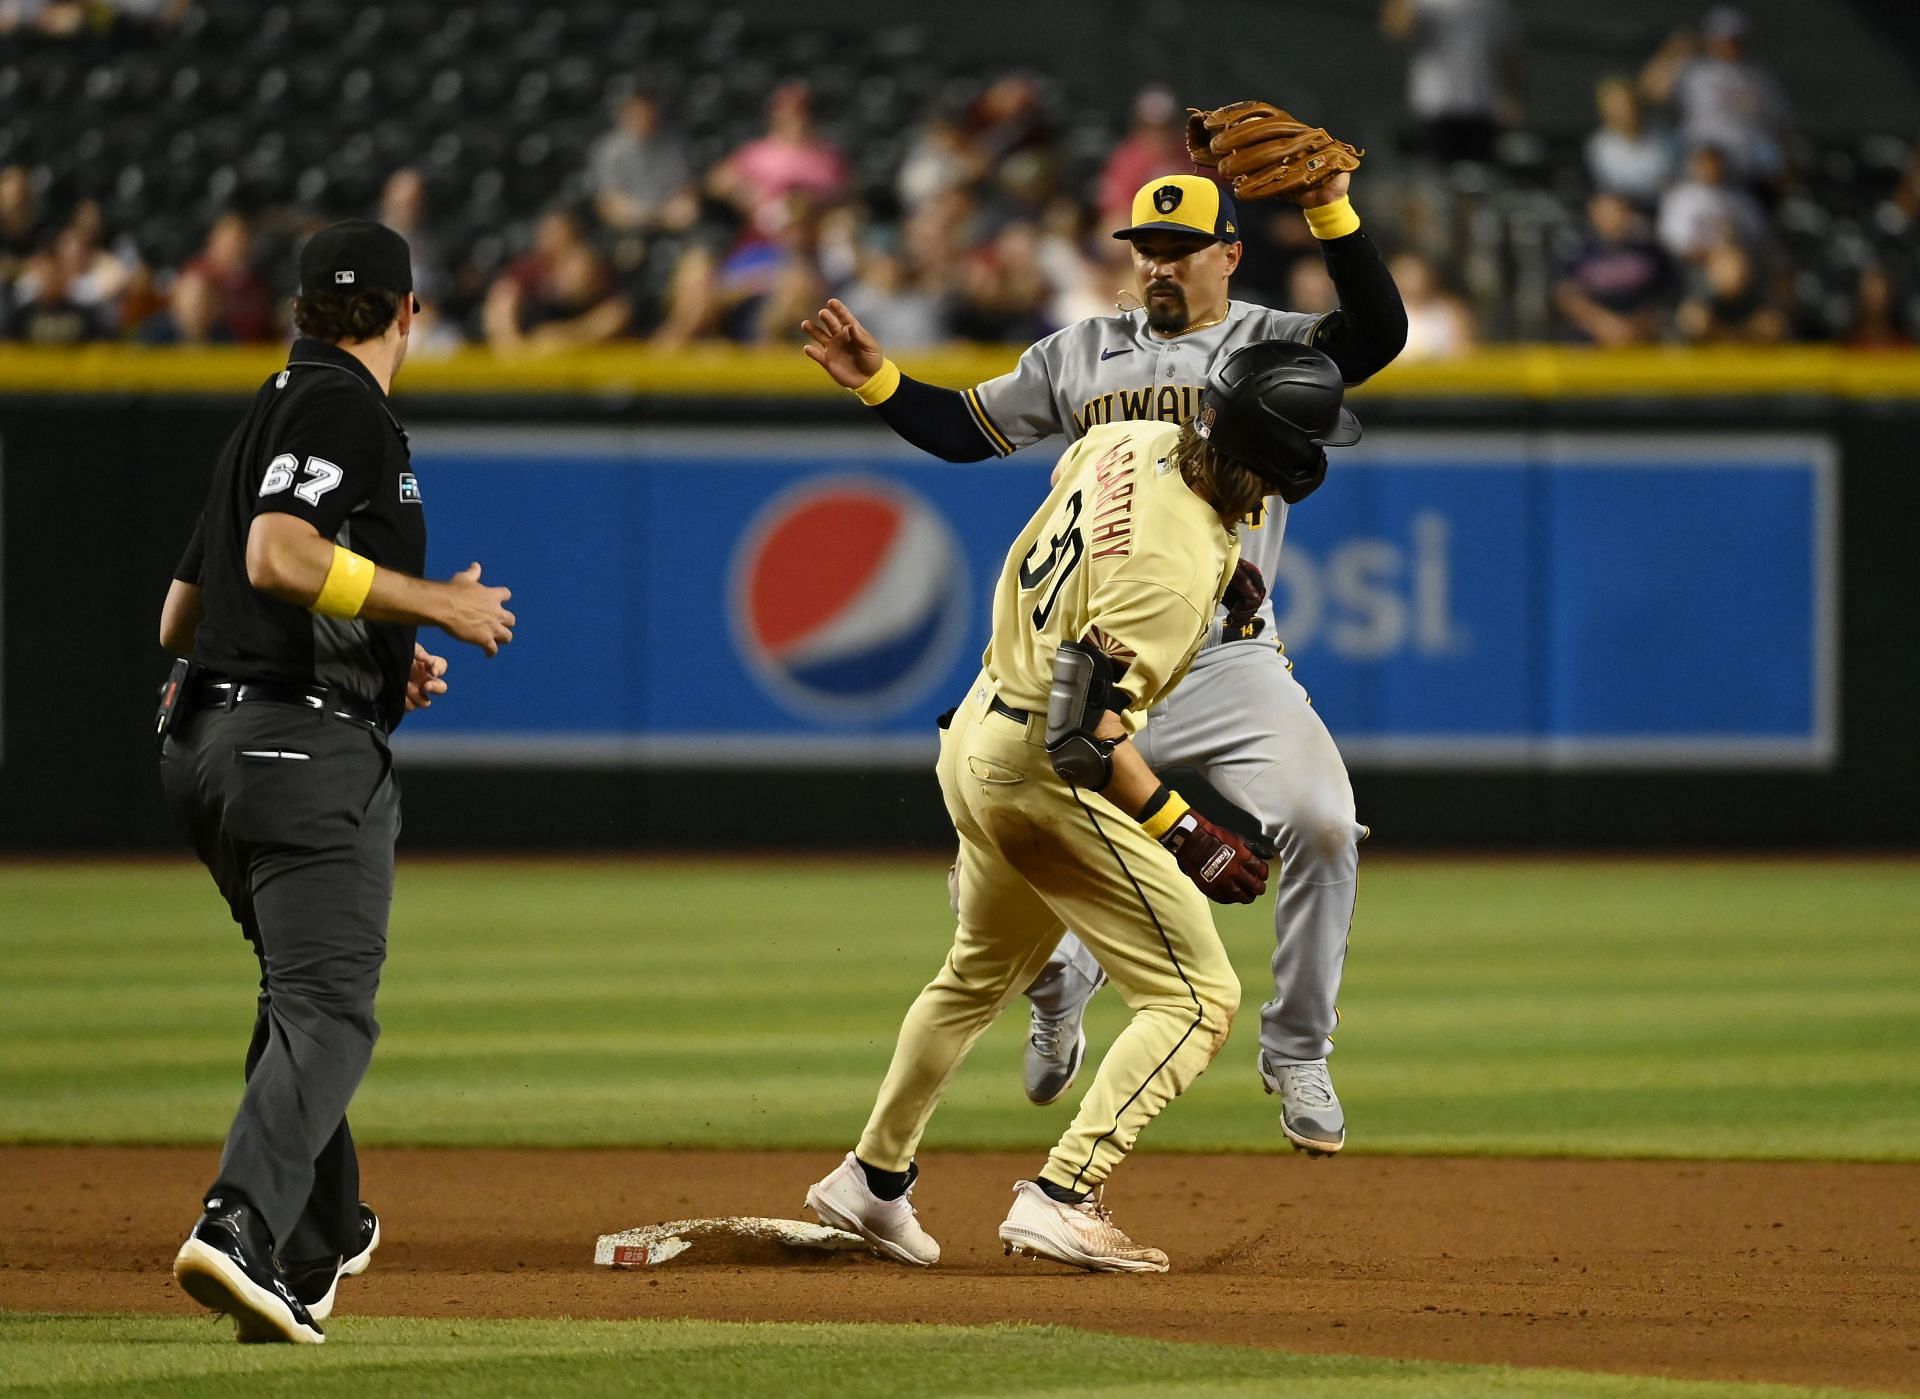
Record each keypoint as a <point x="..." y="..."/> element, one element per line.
<point x="1264" y="150"/>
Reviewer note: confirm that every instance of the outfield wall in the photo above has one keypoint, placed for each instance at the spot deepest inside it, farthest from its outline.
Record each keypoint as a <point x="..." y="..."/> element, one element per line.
<point x="1554" y="598"/>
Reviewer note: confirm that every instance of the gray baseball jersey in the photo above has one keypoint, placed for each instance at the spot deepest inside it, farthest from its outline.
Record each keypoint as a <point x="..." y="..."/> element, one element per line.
<point x="1113" y="368"/>
<point x="1238" y="717"/>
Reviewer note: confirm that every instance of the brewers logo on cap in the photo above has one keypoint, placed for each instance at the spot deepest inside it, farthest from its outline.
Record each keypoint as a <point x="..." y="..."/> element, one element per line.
<point x="1184" y="204"/>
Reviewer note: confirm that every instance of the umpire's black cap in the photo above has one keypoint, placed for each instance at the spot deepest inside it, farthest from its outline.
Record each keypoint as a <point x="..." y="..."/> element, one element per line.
<point x="355" y="255"/>
<point x="1273" y="406"/>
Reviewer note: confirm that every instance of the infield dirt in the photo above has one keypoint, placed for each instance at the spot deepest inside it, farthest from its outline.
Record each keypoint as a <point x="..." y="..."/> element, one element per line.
<point x="1801" y="1273"/>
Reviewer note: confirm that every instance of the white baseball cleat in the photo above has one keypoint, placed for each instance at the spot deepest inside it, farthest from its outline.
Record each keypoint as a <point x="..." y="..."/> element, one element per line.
<point x="843" y="1201"/>
<point x="1310" y="1112"/>
<point x="1082" y="1235"/>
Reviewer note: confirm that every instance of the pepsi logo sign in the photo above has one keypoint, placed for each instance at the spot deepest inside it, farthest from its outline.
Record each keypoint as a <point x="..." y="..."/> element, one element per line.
<point x="849" y="598"/>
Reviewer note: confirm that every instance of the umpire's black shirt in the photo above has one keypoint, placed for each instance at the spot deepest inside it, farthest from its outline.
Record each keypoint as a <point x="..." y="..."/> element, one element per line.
<point x="319" y="443"/>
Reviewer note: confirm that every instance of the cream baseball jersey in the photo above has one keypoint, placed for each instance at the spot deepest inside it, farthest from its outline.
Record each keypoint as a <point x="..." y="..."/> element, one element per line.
<point x="1113" y="369"/>
<point x="1123" y="552"/>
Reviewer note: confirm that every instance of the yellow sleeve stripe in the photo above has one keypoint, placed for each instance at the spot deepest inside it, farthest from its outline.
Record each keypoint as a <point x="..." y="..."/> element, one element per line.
<point x="1335" y="220"/>
<point x="994" y="435"/>
<point x="881" y="387"/>
<point x="349" y="580"/>
<point x="1163" y="820"/>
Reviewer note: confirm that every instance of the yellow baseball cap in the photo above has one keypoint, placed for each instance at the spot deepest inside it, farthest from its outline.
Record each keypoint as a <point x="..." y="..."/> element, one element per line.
<point x="1184" y="204"/>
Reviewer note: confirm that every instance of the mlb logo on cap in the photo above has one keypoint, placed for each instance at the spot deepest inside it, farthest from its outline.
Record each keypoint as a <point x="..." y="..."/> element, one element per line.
<point x="358" y="253"/>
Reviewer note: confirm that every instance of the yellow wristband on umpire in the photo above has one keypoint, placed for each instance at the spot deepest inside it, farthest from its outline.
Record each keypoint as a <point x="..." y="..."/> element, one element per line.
<point x="349" y="580"/>
<point x="880" y="387"/>
<point x="1162" y="820"/>
<point x="1335" y="220"/>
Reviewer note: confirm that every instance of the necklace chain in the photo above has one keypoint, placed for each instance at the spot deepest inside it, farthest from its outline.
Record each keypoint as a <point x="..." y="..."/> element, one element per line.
<point x="1195" y="329"/>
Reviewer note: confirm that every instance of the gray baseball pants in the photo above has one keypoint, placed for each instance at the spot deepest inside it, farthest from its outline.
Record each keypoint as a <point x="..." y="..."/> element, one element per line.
<point x="295" y="813"/>
<point x="1241" y="718"/>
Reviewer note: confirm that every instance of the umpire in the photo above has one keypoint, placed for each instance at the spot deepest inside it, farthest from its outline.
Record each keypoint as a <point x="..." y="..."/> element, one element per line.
<point x="297" y="601"/>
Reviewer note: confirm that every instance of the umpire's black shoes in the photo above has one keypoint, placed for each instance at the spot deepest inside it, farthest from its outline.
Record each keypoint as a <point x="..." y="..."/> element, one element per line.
<point x="316" y="1282"/>
<point x="227" y="1264"/>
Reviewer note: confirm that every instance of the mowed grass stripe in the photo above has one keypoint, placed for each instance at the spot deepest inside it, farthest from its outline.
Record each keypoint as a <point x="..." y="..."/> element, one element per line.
<point x="374" y="1358"/>
<point x="1590" y="1007"/>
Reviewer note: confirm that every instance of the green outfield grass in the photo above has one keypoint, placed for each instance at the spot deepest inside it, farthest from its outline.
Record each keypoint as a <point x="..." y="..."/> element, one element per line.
<point x="1740" y="1008"/>
<point x="52" y="1356"/>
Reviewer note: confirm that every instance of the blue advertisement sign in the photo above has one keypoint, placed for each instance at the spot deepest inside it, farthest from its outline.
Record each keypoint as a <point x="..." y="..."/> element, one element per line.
<point x="707" y="597"/>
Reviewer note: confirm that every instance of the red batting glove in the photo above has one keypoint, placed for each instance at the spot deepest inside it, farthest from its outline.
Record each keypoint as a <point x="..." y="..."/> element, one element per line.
<point x="1217" y="860"/>
<point x="1246" y="590"/>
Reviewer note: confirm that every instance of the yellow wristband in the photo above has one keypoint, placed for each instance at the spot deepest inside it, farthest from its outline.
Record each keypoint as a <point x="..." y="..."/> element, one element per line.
<point x="1163" y="820"/>
<point x="1335" y="220"/>
<point x="349" y="580"/>
<point x="880" y="387"/>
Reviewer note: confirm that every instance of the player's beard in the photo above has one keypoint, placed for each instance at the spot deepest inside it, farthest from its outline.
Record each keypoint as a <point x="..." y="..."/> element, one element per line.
<point x="1168" y="313"/>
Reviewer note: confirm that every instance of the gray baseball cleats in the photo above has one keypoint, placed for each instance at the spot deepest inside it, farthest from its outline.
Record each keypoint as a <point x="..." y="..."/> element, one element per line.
<point x="1310" y="1112"/>
<point x="1057" y="1043"/>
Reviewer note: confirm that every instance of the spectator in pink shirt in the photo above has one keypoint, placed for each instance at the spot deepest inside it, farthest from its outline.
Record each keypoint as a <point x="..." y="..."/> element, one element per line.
<point x="1157" y="145"/>
<point x="792" y="158"/>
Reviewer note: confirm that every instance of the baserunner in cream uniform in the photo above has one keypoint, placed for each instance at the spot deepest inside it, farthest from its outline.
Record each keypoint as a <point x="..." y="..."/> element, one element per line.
<point x="1105" y="598"/>
<point x="1241" y="719"/>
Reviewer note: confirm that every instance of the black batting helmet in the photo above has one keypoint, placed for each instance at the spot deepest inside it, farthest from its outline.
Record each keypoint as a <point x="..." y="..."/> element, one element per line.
<point x="1273" y="407"/>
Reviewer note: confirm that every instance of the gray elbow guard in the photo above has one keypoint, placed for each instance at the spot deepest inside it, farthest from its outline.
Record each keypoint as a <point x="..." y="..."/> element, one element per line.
<point x="1082" y="691"/>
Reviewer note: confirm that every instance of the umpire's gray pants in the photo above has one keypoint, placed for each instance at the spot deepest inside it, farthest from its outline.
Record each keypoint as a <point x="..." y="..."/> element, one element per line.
<point x="296" y="813"/>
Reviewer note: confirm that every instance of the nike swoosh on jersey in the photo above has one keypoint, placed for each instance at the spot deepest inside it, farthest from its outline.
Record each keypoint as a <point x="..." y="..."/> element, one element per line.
<point x="1109" y="354"/>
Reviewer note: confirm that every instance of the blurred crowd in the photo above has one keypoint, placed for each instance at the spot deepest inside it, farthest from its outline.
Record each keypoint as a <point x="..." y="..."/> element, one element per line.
<point x="1689" y="166"/>
<point x="984" y="233"/>
<point x="1683" y="228"/>
<point x="66" y="19"/>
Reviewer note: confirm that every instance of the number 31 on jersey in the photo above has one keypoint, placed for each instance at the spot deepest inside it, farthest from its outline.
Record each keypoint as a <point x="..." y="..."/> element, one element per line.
<point x="1065" y="551"/>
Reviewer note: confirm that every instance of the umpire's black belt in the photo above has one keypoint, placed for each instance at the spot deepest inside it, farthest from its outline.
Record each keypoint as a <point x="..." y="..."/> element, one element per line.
<point x="328" y="699"/>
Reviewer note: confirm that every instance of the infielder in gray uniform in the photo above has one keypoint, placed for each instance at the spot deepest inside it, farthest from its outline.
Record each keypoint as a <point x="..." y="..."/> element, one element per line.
<point x="1239" y="717"/>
